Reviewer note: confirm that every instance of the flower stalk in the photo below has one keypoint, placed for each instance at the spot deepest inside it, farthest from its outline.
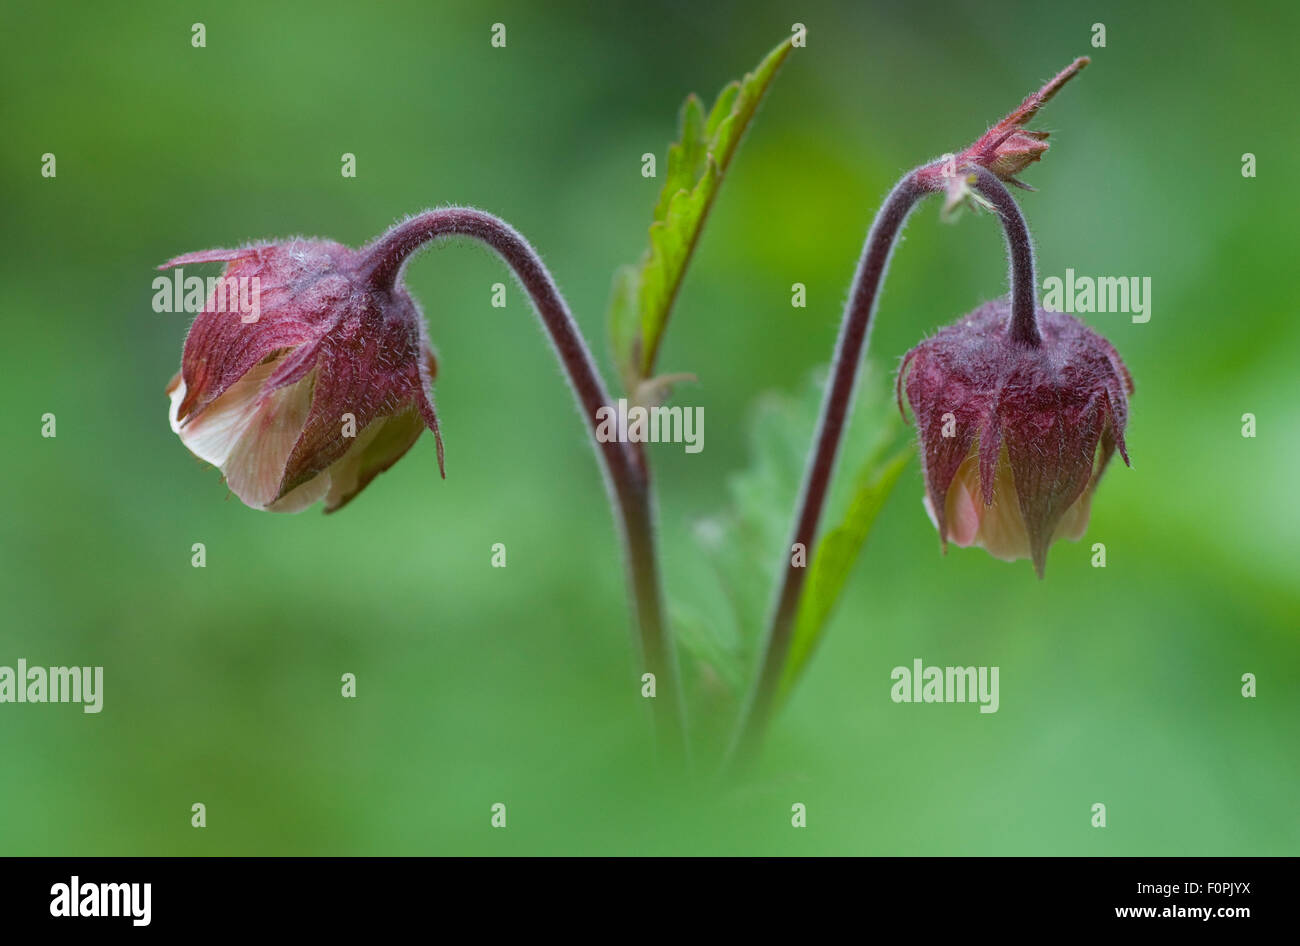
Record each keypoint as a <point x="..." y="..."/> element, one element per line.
<point x="1020" y="253"/>
<point x="326" y="386"/>
<point x="331" y="382"/>
<point x="623" y="464"/>
<point x="849" y="350"/>
<point x="999" y="155"/>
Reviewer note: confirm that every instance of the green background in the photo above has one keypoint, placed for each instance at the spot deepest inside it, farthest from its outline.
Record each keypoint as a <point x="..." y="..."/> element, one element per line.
<point x="479" y="685"/>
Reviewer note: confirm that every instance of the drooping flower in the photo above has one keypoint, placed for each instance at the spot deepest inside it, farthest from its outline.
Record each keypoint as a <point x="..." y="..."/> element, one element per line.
<point x="328" y="386"/>
<point x="1014" y="437"/>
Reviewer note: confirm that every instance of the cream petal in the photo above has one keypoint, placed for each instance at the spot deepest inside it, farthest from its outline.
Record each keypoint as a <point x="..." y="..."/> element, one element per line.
<point x="255" y="467"/>
<point x="175" y="391"/>
<point x="1002" y="529"/>
<point x="929" y="510"/>
<point x="249" y="435"/>
<point x="1075" y="521"/>
<point x="215" y="432"/>
<point x="303" y="495"/>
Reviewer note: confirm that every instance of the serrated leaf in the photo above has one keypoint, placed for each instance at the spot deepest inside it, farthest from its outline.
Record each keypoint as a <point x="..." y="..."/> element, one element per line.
<point x="686" y="157"/>
<point x="695" y="166"/>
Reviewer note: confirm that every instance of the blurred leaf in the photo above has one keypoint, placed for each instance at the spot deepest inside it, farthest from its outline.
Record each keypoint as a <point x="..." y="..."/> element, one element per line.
<point x="838" y="549"/>
<point x="720" y="611"/>
<point x="624" y="326"/>
<point x="644" y="292"/>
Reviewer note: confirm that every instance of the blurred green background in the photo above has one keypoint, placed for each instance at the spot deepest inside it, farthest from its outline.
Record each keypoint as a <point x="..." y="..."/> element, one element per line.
<point x="479" y="685"/>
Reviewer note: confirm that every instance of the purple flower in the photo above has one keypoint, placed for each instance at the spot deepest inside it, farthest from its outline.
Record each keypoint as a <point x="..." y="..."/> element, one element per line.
<point x="328" y="387"/>
<point x="1014" y="437"/>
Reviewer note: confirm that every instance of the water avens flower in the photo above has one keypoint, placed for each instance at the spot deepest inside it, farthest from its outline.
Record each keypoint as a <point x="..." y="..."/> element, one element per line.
<point x="1019" y="409"/>
<point x="327" y="388"/>
<point x="1014" y="436"/>
<point x="330" y="381"/>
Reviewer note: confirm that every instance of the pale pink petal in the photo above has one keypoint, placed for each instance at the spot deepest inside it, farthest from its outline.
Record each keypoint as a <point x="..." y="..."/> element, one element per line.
<point x="962" y="506"/>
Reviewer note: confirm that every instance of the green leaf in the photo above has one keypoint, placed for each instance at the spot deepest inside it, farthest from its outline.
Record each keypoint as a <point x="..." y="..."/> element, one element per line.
<point x="838" y="549"/>
<point x="720" y="609"/>
<point x="644" y="292"/>
<point x="625" y="323"/>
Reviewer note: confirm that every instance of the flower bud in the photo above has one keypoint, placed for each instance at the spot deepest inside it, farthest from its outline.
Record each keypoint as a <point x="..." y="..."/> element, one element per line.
<point x="1014" y="153"/>
<point x="328" y="387"/>
<point x="1014" y="437"/>
<point x="1007" y="148"/>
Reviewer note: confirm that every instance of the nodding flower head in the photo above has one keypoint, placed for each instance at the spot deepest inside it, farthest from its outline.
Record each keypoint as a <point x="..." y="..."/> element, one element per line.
<point x="1014" y="437"/>
<point x="326" y="386"/>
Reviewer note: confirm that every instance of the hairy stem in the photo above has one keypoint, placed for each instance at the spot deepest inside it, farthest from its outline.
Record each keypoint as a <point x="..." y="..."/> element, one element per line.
<point x="625" y="471"/>
<point x="854" y="331"/>
<point x="1020" y="251"/>
<point x="849" y="351"/>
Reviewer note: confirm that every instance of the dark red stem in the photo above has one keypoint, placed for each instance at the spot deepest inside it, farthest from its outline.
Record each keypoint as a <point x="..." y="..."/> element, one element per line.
<point x="625" y="472"/>
<point x="1020" y="251"/>
<point x="854" y="331"/>
<point x="849" y="350"/>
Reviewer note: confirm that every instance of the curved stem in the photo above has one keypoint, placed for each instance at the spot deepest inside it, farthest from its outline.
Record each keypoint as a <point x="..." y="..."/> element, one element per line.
<point x="849" y="350"/>
<point x="854" y="331"/>
<point x="626" y="474"/>
<point x="1020" y="249"/>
